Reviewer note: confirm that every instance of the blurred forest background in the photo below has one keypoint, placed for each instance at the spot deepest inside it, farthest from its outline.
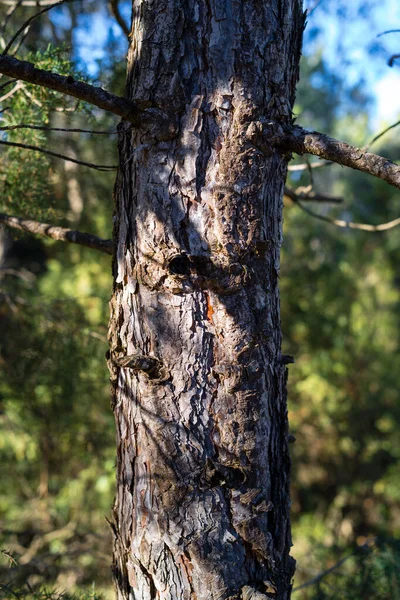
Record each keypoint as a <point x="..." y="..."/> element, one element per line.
<point x="340" y="315"/>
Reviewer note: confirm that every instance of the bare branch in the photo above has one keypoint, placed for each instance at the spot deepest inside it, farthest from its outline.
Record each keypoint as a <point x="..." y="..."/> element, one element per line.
<point x="27" y="23"/>
<point x="9" y="14"/>
<point x="57" y="155"/>
<point x="35" y="3"/>
<point x="310" y="196"/>
<point x="58" y="233"/>
<point x="23" y="274"/>
<point x="392" y="59"/>
<point x="377" y="137"/>
<point x="7" y="83"/>
<point x="312" y="142"/>
<point x="118" y="17"/>
<point x="26" y="71"/>
<point x="11" y="92"/>
<point x="339" y="563"/>
<point x="44" y="128"/>
<point x="349" y="224"/>
<point x="311" y="10"/>
<point x="307" y="166"/>
<point x="388" y="31"/>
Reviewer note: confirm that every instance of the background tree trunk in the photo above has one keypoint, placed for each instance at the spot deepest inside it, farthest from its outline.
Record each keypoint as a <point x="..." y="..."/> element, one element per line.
<point x="202" y="505"/>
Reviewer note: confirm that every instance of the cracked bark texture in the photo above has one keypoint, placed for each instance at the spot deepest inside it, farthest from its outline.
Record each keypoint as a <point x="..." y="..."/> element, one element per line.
<point x="202" y="504"/>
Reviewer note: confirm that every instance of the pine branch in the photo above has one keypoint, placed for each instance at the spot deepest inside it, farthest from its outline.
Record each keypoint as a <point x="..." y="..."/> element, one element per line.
<point x="65" y="129"/>
<point x="57" y="155"/>
<point x="26" y="71"/>
<point x="58" y="233"/>
<point x="312" y="142"/>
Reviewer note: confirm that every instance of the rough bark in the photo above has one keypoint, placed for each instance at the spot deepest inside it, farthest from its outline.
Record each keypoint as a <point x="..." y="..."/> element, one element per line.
<point x="202" y="505"/>
<point x="312" y="142"/>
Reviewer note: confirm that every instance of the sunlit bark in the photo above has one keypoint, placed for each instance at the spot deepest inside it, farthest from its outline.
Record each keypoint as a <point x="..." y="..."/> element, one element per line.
<point x="199" y="382"/>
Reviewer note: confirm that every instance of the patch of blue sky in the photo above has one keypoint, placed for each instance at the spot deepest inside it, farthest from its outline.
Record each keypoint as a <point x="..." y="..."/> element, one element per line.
<point x="93" y="34"/>
<point x="347" y="33"/>
<point x="344" y="30"/>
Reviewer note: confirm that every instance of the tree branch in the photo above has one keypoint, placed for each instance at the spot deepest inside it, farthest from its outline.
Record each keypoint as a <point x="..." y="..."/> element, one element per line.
<point x="57" y="155"/>
<point x="26" y="71"/>
<point x="35" y="3"/>
<point x="312" y="142"/>
<point x="392" y="59"/>
<point x="388" y="31"/>
<point x="382" y="133"/>
<point x="339" y="563"/>
<point x="28" y="21"/>
<point x="45" y="128"/>
<point x="118" y="17"/>
<point x="58" y="233"/>
<point x="310" y="196"/>
<point x="348" y="224"/>
<point x="307" y="167"/>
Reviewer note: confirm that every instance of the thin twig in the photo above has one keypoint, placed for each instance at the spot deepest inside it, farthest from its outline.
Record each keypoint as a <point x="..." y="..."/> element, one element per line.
<point x="381" y="134"/>
<point x="388" y="31"/>
<point x="58" y="233"/>
<point x="22" y="40"/>
<point x="16" y="87"/>
<point x="118" y="17"/>
<point x="310" y="196"/>
<point x="23" y="274"/>
<point x="306" y="166"/>
<point x="9" y="14"/>
<point x="7" y="83"/>
<point x="31" y="97"/>
<point x="44" y="128"/>
<point x="339" y="563"/>
<point x="8" y="554"/>
<point x="349" y="224"/>
<point x="35" y="3"/>
<point x="310" y="171"/>
<point x="5" y="586"/>
<point x="310" y="11"/>
<point x="392" y="59"/>
<point x="27" y="23"/>
<point x="57" y="155"/>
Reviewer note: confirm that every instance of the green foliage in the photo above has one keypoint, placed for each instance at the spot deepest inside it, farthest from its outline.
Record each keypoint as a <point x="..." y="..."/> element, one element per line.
<point x="56" y="426"/>
<point x="27" y="175"/>
<point x="7" y="592"/>
<point x="340" y="315"/>
<point x="57" y="436"/>
<point x="371" y="571"/>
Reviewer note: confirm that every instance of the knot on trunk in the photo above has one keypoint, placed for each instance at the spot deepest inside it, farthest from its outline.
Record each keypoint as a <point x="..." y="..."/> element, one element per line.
<point x="141" y="362"/>
<point x="205" y="273"/>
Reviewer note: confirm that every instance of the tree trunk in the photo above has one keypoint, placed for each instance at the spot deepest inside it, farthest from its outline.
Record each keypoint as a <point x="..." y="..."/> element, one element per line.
<point x="202" y="504"/>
